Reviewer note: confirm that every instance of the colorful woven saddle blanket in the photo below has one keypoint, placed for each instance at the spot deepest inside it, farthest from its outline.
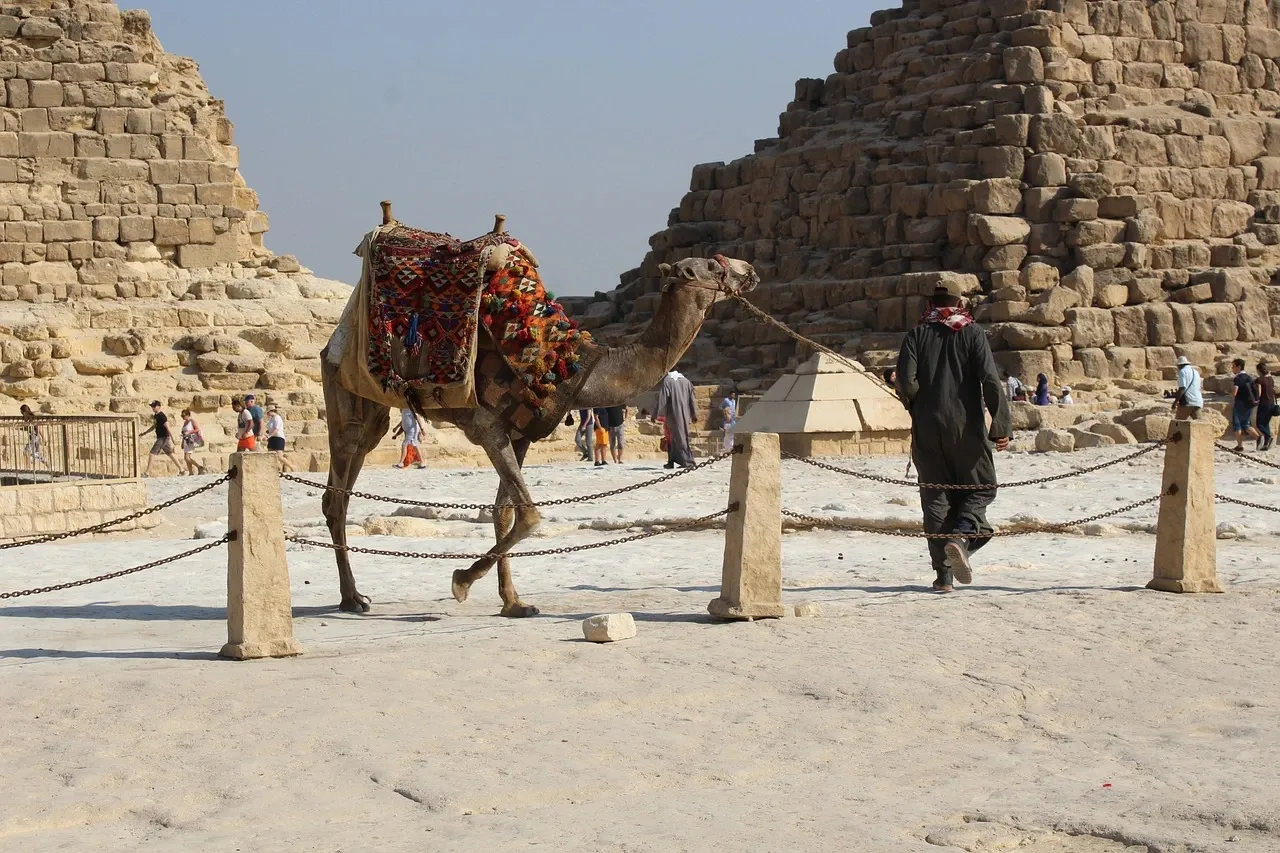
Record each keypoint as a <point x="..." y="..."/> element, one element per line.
<point x="534" y="359"/>
<point x="430" y="296"/>
<point x="424" y="302"/>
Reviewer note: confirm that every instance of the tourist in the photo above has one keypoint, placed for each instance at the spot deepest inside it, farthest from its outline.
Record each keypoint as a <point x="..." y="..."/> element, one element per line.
<point x="617" y="418"/>
<point x="729" y="419"/>
<point x="163" y="445"/>
<point x="411" y="428"/>
<point x="192" y="440"/>
<point x="244" y="426"/>
<point x="582" y="438"/>
<point x="1014" y="387"/>
<point x="677" y="409"/>
<point x="600" y="433"/>
<point x="1266" y="404"/>
<point x="32" y="449"/>
<point x="1042" y="391"/>
<point x="1188" y="401"/>
<point x="274" y="429"/>
<point x="946" y="378"/>
<point x="255" y="412"/>
<point x="643" y="415"/>
<point x="1066" y="399"/>
<point x="1244" y="398"/>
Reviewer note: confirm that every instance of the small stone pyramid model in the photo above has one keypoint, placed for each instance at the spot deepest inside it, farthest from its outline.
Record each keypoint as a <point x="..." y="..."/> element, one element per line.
<point x="1109" y="171"/>
<point x="830" y="406"/>
<point x="132" y="258"/>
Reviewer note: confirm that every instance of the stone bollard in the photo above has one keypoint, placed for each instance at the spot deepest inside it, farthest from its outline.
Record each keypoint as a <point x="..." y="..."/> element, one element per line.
<point x="751" y="578"/>
<point x="259" y="605"/>
<point x="1186" y="534"/>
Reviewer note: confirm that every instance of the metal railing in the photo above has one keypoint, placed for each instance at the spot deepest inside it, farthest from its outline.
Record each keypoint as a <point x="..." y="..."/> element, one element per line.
<point x="51" y="448"/>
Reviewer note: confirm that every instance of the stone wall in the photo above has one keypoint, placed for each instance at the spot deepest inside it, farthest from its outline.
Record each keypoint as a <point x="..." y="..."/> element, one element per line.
<point x="1104" y="176"/>
<point x="132" y="264"/>
<point x="56" y="507"/>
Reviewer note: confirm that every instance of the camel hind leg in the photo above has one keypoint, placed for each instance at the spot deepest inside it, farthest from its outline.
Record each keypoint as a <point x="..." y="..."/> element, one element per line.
<point x="356" y="425"/>
<point x="510" y="525"/>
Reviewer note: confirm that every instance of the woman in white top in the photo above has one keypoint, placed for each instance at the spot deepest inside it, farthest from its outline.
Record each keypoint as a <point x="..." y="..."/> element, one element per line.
<point x="274" y="429"/>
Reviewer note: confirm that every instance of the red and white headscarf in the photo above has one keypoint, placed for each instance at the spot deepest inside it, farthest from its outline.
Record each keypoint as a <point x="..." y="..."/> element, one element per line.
<point x="954" y="319"/>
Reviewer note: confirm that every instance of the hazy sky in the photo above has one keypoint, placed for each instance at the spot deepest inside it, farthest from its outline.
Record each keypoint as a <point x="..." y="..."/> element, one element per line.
<point x="580" y="121"/>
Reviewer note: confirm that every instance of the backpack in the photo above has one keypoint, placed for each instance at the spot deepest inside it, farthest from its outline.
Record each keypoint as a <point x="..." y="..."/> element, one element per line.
<point x="1255" y="396"/>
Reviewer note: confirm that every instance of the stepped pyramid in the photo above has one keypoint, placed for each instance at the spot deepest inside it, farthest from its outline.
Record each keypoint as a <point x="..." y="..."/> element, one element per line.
<point x="1105" y="176"/>
<point x="133" y="265"/>
<point x="831" y="408"/>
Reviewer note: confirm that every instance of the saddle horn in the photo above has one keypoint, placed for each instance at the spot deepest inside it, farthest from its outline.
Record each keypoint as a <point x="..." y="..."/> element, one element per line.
<point x="499" y="224"/>
<point x="387" y="218"/>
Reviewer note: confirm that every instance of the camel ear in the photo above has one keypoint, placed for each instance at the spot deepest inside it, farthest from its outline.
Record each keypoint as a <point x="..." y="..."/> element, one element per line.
<point x="664" y="270"/>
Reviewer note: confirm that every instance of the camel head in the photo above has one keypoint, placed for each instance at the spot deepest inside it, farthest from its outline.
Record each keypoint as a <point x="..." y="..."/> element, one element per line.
<point x="708" y="279"/>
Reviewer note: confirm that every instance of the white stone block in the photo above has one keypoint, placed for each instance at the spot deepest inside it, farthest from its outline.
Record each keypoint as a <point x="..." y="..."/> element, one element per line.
<point x="609" y="628"/>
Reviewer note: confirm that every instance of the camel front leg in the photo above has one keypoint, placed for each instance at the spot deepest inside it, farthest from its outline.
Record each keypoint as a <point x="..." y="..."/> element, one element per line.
<point x="511" y="525"/>
<point x="355" y="428"/>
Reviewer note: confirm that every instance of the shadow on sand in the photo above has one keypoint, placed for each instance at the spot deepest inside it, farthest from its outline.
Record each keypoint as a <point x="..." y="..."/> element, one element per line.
<point x="64" y="654"/>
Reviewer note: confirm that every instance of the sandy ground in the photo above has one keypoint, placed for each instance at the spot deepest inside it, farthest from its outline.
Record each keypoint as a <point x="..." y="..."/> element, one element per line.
<point x="1055" y="705"/>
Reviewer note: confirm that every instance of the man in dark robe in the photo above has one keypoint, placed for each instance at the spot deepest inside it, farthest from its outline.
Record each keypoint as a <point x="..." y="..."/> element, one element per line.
<point x="676" y="405"/>
<point x="946" y="377"/>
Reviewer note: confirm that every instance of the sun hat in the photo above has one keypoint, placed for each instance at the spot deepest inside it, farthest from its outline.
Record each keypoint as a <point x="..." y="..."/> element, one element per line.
<point x="1183" y="361"/>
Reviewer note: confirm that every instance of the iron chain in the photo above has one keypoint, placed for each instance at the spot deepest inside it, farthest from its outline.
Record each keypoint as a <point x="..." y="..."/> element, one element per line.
<point x="1245" y="456"/>
<point x="544" y="552"/>
<point x="351" y="493"/>
<point x="1249" y="504"/>
<point x="974" y="487"/>
<point x="839" y="524"/>
<point x="98" y="528"/>
<point x="112" y="575"/>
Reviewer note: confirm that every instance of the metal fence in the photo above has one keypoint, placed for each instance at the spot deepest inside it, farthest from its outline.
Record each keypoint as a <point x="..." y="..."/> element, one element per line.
<point x="48" y="448"/>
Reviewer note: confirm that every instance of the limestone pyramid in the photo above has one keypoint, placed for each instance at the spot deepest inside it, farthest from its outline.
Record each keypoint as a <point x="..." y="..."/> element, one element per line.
<point x="1109" y="171"/>
<point x="830" y="407"/>
<point x="131" y="248"/>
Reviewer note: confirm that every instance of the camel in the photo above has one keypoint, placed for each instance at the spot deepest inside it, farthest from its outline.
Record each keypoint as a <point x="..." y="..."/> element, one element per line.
<point x="356" y="424"/>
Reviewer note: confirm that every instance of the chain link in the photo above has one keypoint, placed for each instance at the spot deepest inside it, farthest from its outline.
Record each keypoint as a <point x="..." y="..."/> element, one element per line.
<point x="1249" y="504"/>
<point x="1062" y="527"/>
<point x="1245" y="456"/>
<point x="112" y="575"/>
<point x="98" y="528"/>
<point x="949" y="487"/>
<point x="351" y="493"/>
<point x="544" y="552"/>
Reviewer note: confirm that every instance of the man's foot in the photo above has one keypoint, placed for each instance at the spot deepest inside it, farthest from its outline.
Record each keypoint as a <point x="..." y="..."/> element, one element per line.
<point x="669" y="465"/>
<point x="958" y="560"/>
<point x="939" y="586"/>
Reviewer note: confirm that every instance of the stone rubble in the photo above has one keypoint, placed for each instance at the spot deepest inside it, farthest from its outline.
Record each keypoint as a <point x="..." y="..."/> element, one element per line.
<point x="609" y="628"/>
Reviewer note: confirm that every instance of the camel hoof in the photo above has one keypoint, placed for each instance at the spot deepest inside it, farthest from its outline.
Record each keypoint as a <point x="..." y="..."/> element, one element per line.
<point x="461" y="587"/>
<point x="356" y="604"/>
<point x="519" y="610"/>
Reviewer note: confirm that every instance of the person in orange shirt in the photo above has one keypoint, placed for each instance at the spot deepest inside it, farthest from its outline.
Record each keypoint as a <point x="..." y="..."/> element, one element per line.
<point x="244" y="425"/>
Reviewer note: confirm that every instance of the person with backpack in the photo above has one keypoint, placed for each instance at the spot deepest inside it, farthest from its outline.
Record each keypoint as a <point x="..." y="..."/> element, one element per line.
<point x="1266" y="385"/>
<point x="1244" y="393"/>
<point x="255" y="412"/>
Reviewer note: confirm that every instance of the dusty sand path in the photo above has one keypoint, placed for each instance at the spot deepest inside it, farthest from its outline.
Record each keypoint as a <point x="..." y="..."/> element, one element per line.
<point x="991" y="719"/>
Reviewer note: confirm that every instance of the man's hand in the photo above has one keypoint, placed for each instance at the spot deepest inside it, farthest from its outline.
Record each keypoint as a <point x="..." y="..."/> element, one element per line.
<point x="1002" y="444"/>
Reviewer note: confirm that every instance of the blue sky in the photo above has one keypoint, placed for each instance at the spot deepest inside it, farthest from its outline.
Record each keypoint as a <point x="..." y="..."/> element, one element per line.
<point x="580" y="121"/>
